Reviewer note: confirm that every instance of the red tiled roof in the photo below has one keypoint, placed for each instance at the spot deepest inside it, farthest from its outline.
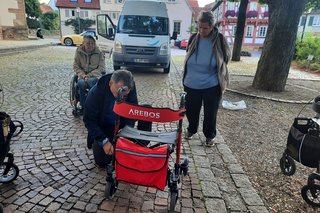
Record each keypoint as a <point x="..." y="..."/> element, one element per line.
<point x="95" y="4"/>
<point x="209" y="6"/>
<point x="195" y="7"/>
<point x="194" y="3"/>
<point x="45" y="8"/>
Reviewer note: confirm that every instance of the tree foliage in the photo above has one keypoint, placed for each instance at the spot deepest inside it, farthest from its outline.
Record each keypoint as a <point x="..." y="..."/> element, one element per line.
<point x="84" y="24"/>
<point x="49" y="20"/>
<point x="32" y="8"/>
<point x="309" y="46"/>
<point x="33" y="23"/>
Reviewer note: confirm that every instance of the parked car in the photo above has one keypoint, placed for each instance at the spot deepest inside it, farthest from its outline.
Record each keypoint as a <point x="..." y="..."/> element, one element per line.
<point x="183" y="44"/>
<point x="177" y="43"/>
<point x="76" y="39"/>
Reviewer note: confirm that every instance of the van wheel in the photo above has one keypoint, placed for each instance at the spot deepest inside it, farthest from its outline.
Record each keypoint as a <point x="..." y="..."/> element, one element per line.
<point x="166" y="70"/>
<point x="116" y="67"/>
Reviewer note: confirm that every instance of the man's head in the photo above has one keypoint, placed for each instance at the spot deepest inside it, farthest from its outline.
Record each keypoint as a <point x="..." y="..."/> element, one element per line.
<point x="89" y="43"/>
<point x="119" y="79"/>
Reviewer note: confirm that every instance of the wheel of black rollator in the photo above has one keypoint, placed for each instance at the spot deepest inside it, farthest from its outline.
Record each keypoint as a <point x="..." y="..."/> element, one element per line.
<point x="311" y="194"/>
<point x="74" y="113"/>
<point x="287" y="165"/>
<point x="19" y="126"/>
<point x="11" y="175"/>
<point x="173" y="200"/>
<point x="110" y="190"/>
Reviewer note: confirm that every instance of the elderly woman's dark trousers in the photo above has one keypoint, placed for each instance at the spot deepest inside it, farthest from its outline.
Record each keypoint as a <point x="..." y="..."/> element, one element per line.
<point x="210" y="98"/>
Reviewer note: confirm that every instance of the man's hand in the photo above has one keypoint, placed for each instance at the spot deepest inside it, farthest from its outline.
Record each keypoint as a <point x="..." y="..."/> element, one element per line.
<point x="86" y="77"/>
<point x="108" y="148"/>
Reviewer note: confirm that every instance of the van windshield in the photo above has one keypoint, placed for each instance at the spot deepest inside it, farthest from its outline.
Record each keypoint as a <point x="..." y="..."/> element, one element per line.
<point x="150" y="25"/>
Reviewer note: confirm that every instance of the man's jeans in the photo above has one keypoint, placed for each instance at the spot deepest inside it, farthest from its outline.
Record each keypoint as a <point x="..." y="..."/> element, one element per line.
<point x="84" y="86"/>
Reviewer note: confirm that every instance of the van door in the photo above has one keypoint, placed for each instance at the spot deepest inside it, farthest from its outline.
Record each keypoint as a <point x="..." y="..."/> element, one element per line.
<point x="106" y="31"/>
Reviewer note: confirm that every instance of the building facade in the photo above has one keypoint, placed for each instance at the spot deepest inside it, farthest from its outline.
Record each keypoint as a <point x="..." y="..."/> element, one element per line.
<point x="309" y="24"/>
<point x="13" y="23"/>
<point x="112" y="8"/>
<point x="180" y="16"/>
<point x="74" y="9"/>
<point x="256" y="23"/>
<point x="180" y="13"/>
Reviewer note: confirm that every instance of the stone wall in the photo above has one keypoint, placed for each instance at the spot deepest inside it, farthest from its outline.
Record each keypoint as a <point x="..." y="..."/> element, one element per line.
<point x="15" y="28"/>
<point x="14" y="33"/>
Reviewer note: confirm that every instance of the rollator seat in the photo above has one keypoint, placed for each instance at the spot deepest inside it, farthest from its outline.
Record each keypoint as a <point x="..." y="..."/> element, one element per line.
<point x="161" y="137"/>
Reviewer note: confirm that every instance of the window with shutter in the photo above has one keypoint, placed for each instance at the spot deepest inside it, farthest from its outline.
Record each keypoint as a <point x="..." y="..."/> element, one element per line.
<point x="302" y="21"/>
<point x="176" y="26"/>
<point x="310" y="21"/>
<point x="316" y="21"/>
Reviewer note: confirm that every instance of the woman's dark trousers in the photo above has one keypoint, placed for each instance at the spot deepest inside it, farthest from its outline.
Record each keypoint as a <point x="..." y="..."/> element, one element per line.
<point x="210" y="98"/>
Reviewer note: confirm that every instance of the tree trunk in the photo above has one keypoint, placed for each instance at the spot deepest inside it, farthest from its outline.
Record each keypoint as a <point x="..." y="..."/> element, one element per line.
<point x="274" y="63"/>
<point x="236" y="51"/>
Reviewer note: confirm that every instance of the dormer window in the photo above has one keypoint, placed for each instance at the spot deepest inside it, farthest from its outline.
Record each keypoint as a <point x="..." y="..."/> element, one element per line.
<point x="88" y="1"/>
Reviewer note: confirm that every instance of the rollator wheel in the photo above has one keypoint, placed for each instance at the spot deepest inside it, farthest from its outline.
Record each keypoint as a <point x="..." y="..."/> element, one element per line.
<point x="19" y="126"/>
<point x="110" y="190"/>
<point x="287" y="165"/>
<point x="311" y="194"/>
<point x="12" y="173"/>
<point x="74" y="113"/>
<point x="184" y="167"/>
<point x="173" y="200"/>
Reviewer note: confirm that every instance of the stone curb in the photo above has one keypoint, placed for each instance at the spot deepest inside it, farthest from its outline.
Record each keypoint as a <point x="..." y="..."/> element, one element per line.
<point x="303" y="79"/>
<point x="269" y="98"/>
<point x="9" y="51"/>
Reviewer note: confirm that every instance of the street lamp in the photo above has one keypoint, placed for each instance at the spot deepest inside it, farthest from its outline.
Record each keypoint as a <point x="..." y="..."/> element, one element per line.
<point x="78" y="17"/>
<point x="305" y="23"/>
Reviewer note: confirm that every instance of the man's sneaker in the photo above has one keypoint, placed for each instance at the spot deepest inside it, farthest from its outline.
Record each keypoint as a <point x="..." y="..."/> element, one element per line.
<point x="189" y="135"/>
<point x="209" y="141"/>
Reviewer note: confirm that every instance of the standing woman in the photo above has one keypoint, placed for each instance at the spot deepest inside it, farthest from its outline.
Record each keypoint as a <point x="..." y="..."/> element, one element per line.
<point x="205" y="76"/>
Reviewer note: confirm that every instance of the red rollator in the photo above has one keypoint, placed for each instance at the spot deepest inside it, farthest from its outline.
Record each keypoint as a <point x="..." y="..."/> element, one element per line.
<point x="143" y="158"/>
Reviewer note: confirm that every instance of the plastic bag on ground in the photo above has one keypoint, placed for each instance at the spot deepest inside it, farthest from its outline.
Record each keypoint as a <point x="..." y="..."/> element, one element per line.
<point x="234" y="105"/>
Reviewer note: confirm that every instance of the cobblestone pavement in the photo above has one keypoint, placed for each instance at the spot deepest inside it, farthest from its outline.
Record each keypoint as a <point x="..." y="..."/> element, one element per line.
<point x="57" y="173"/>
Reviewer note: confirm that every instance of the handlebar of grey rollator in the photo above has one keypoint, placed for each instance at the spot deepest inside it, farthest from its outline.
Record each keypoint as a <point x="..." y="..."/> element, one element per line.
<point x="182" y="100"/>
<point x="121" y="90"/>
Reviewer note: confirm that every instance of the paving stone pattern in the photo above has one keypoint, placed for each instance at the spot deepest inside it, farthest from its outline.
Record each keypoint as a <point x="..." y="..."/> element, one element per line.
<point x="57" y="172"/>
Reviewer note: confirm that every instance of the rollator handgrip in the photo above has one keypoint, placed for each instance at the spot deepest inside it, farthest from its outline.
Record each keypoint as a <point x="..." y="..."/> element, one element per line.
<point x="121" y="90"/>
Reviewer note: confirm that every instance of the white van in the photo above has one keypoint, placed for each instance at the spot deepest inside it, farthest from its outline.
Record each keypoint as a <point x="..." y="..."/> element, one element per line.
<point x="142" y="37"/>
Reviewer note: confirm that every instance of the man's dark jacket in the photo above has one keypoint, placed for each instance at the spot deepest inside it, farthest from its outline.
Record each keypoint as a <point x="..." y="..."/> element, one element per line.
<point x="98" y="101"/>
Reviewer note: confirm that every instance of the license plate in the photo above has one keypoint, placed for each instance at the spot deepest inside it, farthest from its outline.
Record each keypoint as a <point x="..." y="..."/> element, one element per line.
<point x="141" y="60"/>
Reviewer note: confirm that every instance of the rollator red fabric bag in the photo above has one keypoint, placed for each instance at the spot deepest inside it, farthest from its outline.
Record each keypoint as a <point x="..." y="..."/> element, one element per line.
<point x="141" y="165"/>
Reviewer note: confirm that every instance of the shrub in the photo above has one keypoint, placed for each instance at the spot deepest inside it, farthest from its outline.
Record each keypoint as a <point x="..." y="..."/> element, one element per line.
<point x="309" y="46"/>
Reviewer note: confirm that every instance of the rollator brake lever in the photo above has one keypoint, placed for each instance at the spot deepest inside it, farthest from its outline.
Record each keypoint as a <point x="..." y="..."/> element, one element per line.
<point x="121" y="90"/>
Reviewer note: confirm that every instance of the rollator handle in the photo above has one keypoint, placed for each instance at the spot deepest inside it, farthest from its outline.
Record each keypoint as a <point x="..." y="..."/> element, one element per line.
<point x="121" y="90"/>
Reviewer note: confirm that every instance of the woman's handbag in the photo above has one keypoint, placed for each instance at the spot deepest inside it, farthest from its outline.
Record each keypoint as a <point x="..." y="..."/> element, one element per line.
<point x="303" y="142"/>
<point x="141" y="165"/>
